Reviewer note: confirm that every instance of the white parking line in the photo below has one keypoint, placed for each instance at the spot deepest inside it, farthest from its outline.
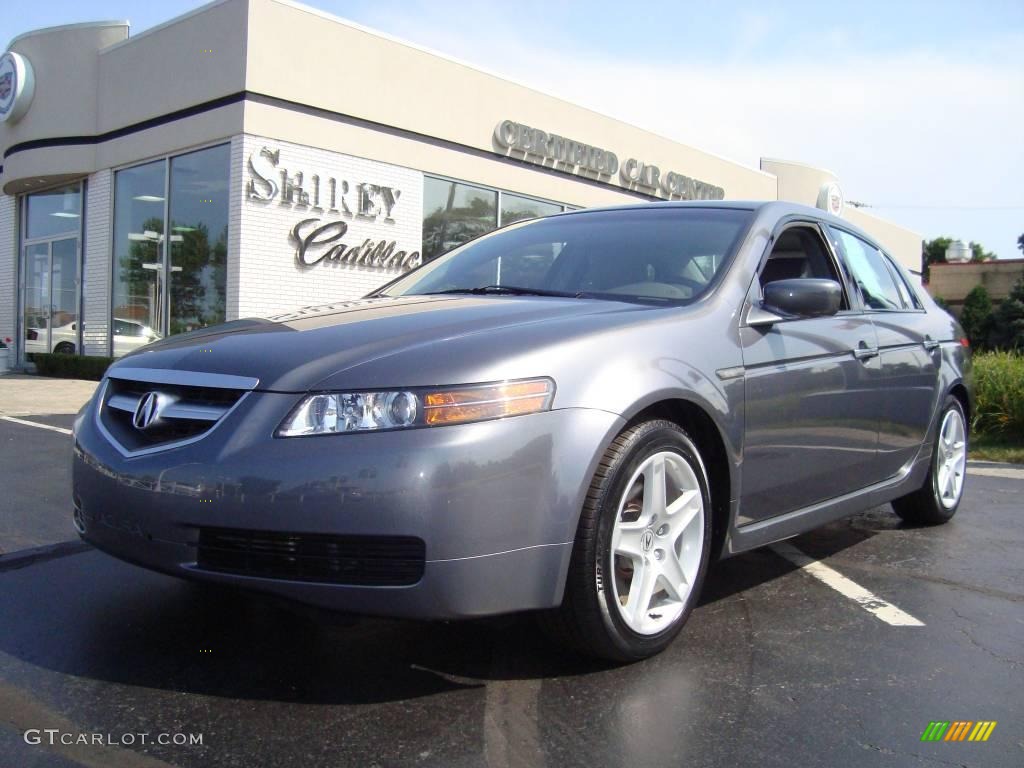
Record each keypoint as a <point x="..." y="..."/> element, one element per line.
<point x="869" y="601"/>
<point x="14" y="420"/>
<point x="1006" y="472"/>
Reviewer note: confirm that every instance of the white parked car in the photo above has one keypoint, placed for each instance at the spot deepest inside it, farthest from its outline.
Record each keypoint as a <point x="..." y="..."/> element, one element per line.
<point x="129" y="335"/>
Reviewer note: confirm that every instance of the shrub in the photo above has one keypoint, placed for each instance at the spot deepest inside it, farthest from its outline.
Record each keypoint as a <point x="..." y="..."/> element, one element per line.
<point x="1007" y="330"/>
<point x="999" y="388"/>
<point x="71" y="366"/>
<point x="976" y="316"/>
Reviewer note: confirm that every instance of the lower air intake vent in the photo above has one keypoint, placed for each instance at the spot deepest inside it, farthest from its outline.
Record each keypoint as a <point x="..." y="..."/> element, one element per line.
<point x="377" y="561"/>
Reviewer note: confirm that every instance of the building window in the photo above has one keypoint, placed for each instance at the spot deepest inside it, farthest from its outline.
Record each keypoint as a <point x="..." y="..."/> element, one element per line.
<point x="199" y="238"/>
<point x="518" y="208"/>
<point x="455" y="212"/>
<point x="139" y="196"/>
<point x="170" y="247"/>
<point x="51" y="265"/>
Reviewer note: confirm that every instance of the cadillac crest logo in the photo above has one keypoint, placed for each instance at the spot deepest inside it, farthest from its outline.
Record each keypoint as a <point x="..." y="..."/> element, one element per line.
<point x="830" y="198"/>
<point x="17" y="86"/>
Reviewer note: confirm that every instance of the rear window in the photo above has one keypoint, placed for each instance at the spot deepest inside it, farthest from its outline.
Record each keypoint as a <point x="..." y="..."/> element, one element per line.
<point x="655" y="255"/>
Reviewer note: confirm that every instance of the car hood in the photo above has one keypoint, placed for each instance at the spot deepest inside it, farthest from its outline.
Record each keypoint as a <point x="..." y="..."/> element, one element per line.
<point x="310" y="348"/>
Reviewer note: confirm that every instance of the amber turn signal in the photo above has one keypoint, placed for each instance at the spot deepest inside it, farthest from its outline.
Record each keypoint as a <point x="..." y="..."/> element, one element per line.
<point x="490" y="401"/>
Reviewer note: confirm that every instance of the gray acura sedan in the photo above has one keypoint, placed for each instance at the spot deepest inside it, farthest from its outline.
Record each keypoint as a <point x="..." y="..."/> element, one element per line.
<point x="570" y="415"/>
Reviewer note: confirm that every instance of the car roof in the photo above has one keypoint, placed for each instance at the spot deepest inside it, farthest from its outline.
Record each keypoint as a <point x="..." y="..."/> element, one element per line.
<point x="742" y="205"/>
<point x="776" y="209"/>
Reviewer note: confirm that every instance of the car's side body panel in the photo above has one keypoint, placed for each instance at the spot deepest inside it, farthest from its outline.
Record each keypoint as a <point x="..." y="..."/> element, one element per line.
<point x="812" y="413"/>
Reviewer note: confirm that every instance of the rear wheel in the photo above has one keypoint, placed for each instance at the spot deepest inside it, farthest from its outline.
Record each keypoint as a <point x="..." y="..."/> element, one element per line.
<point x="938" y="499"/>
<point x="641" y="549"/>
<point x="65" y="348"/>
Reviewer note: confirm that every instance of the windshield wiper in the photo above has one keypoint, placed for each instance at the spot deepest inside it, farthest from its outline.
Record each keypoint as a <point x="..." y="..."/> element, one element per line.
<point x="513" y="290"/>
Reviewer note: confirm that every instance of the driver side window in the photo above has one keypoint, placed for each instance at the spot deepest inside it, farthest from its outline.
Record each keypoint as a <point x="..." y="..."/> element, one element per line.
<point x="800" y="252"/>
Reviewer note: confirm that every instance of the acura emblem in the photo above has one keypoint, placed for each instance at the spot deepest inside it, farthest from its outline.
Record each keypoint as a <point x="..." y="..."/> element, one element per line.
<point x="647" y="540"/>
<point x="147" y="411"/>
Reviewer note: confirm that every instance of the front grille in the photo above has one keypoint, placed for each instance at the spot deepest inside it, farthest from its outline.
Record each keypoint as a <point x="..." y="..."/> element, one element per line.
<point x="377" y="561"/>
<point x="186" y="412"/>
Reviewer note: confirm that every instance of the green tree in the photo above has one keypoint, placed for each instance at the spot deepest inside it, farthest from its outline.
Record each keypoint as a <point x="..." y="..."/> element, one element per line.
<point x="933" y="252"/>
<point x="1008" y="321"/>
<point x="1020" y="243"/>
<point x="978" y="253"/>
<point x="976" y="317"/>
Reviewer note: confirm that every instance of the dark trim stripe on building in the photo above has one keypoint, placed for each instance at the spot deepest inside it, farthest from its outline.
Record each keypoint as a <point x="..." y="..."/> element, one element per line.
<point x="294" y="106"/>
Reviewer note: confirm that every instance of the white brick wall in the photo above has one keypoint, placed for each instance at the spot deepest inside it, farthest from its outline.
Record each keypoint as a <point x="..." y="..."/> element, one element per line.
<point x="236" y="204"/>
<point x="268" y="278"/>
<point x="8" y="269"/>
<point x="96" y="269"/>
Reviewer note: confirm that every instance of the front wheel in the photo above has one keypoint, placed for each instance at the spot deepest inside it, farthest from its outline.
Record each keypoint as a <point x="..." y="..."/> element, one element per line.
<point x="938" y="499"/>
<point x="641" y="548"/>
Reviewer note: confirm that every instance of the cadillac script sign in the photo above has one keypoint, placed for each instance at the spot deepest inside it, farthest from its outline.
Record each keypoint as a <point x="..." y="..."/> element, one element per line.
<point x="330" y="212"/>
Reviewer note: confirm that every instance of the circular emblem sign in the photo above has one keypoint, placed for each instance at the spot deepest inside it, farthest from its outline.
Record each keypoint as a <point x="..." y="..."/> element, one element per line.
<point x="830" y="198"/>
<point x="17" y="86"/>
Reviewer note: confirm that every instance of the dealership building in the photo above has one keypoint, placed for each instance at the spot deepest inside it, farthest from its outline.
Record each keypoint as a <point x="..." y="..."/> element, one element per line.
<point x="255" y="156"/>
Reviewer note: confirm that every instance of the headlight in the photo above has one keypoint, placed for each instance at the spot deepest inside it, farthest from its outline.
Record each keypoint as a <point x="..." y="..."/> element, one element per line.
<point x="338" y="412"/>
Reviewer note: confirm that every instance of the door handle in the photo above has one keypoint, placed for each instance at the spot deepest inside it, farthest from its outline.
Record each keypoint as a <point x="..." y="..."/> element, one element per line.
<point x="930" y="344"/>
<point x="864" y="352"/>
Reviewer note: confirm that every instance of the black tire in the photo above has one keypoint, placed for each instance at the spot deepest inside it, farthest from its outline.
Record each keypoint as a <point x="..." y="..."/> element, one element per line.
<point x="925" y="505"/>
<point x="65" y="348"/>
<point x="588" y="619"/>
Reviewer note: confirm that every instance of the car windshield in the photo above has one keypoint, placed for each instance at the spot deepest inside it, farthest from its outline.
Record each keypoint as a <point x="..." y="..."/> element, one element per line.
<point x="667" y="255"/>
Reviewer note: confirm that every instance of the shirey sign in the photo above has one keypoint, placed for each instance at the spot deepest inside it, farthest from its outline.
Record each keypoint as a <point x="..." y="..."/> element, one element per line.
<point x="330" y="212"/>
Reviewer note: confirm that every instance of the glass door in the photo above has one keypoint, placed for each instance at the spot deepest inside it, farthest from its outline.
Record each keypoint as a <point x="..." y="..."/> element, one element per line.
<point x="37" y="298"/>
<point x="64" y="296"/>
<point x="51" y="267"/>
<point x="51" y="296"/>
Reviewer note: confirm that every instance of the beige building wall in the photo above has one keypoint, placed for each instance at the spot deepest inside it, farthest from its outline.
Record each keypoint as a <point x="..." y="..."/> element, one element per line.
<point x="402" y="86"/>
<point x="800" y="183"/>
<point x="952" y="282"/>
<point x="66" y="67"/>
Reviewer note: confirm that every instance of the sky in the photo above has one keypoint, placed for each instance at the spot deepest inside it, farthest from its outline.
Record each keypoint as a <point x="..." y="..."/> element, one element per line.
<point x="918" y="107"/>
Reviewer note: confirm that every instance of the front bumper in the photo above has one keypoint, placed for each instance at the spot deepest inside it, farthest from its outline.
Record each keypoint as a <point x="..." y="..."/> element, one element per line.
<point x="496" y="503"/>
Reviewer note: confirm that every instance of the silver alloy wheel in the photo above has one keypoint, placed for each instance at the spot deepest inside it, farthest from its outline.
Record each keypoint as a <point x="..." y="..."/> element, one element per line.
<point x="951" y="459"/>
<point x="657" y="543"/>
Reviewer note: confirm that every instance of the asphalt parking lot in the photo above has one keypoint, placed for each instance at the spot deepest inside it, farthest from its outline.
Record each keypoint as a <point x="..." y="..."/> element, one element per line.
<point x="777" y="667"/>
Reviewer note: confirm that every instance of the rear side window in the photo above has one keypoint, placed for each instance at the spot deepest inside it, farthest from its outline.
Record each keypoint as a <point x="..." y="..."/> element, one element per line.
<point x="871" y="275"/>
<point x="124" y="328"/>
<point x="907" y="292"/>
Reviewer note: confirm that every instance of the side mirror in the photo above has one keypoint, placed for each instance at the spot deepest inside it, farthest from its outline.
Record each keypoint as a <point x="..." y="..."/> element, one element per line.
<point x="800" y="297"/>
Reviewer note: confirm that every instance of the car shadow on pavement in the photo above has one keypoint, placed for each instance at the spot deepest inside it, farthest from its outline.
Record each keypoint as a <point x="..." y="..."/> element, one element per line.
<point x="89" y="616"/>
